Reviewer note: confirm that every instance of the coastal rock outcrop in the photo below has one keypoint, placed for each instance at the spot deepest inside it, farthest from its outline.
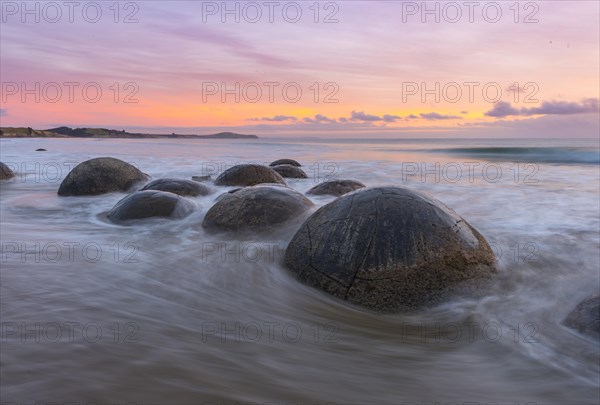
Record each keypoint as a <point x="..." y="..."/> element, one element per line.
<point x="179" y="186"/>
<point x="99" y="176"/>
<point x="151" y="203"/>
<point x="335" y="187"/>
<point x="254" y="208"/>
<point x="585" y="318"/>
<point x="248" y="175"/>
<point x="388" y="249"/>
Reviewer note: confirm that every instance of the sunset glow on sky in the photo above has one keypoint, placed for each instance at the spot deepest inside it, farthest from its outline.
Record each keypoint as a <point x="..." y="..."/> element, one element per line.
<point x="353" y="67"/>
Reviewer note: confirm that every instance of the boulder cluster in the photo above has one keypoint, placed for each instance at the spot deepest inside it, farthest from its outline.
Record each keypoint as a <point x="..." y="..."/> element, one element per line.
<point x="387" y="249"/>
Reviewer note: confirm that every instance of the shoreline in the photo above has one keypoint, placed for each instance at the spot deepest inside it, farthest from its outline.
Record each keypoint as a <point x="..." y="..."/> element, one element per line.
<point x="70" y="133"/>
<point x="149" y="136"/>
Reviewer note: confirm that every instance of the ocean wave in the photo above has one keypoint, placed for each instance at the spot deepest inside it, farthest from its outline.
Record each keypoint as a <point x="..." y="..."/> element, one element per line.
<point x="560" y="155"/>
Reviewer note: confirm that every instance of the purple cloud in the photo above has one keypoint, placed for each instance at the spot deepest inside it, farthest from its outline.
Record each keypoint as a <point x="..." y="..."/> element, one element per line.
<point x="319" y="118"/>
<point x="277" y="118"/>
<point x="504" y="109"/>
<point x="362" y="116"/>
<point x="433" y="116"/>
<point x="391" y="118"/>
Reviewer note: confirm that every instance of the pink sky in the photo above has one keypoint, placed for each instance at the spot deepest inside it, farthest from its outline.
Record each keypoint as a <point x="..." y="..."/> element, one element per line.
<point x="379" y="64"/>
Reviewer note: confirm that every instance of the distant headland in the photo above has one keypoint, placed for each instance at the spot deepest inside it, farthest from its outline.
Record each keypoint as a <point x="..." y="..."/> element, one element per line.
<point x="66" y="132"/>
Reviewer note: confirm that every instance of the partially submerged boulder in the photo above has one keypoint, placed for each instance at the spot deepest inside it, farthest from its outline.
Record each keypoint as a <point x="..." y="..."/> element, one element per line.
<point x="388" y="249"/>
<point x="289" y="171"/>
<point x="5" y="172"/>
<point x="585" y="318"/>
<point x="335" y="187"/>
<point x="178" y="186"/>
<point x="248" y="175"/>
<point x="151" y="203"/>
<point x="255" y="208"/>
<point x="99" y="176"/>
<point x="285" y="162"/>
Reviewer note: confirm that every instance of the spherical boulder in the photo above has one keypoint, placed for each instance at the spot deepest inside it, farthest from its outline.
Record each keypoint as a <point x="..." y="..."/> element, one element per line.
<point x="389" y="249"/>
<point x="151" y="203"/>
<point x="285" y="162"/>
<point x="290" y="171"/>
<point x="5" y="172"/>
<point x="178" y="186"/>
<point x="255" y="208"/>
<point x="585" y="318"/>
<point x="99" y="176"/>
<point x="248" y="175"/>
<point x="335" y="187"/>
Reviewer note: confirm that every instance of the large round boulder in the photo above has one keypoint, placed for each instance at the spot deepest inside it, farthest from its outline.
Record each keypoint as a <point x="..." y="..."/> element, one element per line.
<point x="256" y="207"/>
<point x="290" y="171"/>
<point x="585" y="318"/>
<point x="178" y="186"/>
<point x="335" y="187"/>
<point x="248" y="175"/>
<point x="285" y="162"/>
<point x="151" y="203"/>
<point x="99" y="176"/>
<point x="5" y="172"/>
<point x="389" y="249"/>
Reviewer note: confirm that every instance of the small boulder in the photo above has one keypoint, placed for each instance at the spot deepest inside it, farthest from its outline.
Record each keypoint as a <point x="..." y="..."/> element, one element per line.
<point x="40" y="150"/>
<point x="151" y="203"/>
<point x="585" y="318"/>
<point x="285" y="162"/>
<point x="254" y="208"/>
<point x="201" y="178"/>
<point x="248" y="175"/>
<point x="335" y="187"/>
<point x="389" y="249"/>
<point x="178" y="186"/>
<point x="289" y="171"/>
<point x="5" y="172"/>
<point x="99" y="176"/>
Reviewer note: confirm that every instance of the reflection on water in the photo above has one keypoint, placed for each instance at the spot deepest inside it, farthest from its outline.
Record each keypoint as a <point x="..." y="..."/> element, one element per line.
<point x="163" y="312"/>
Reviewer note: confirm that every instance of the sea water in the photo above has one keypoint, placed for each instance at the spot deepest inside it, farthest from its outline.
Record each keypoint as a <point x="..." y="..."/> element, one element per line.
<point x="164" y="312"/>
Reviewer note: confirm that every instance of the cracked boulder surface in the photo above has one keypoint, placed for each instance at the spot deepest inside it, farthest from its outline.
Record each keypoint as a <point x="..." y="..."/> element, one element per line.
<point x="179" y="186"/>
<point x="99" y="176"/>
<point x="290" y="171"/>
<point x="151" y="203"/>
<point x="585" y="318"/>
<point x="256" y="208"/>
<point x="285" y="162"/>
<point x="5" y="172"/>
<point x="336" y="187"/>
<point x="388" y="249"/>
<point x="248" y="175"/>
